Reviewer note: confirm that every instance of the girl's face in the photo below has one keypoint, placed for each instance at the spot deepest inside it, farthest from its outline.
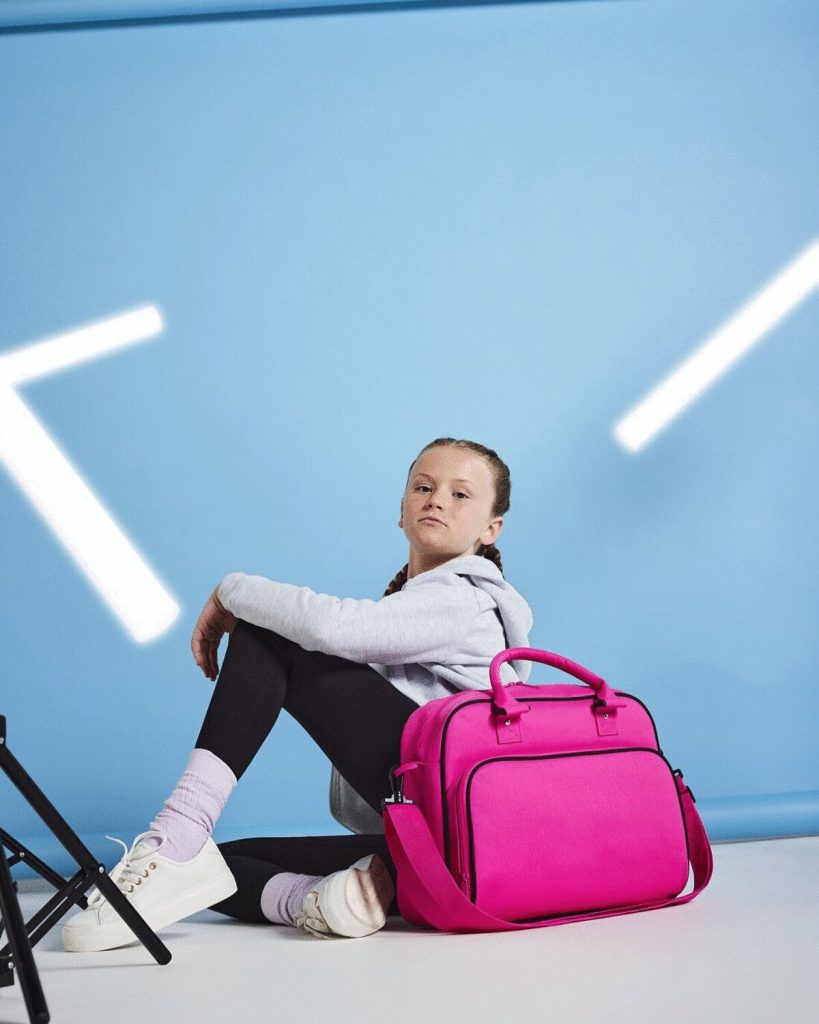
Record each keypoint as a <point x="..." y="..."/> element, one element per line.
<point x="456" y="488"/>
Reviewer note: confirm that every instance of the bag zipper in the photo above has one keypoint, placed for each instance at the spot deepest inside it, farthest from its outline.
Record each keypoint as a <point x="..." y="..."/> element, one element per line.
<point x="462" y="872"/>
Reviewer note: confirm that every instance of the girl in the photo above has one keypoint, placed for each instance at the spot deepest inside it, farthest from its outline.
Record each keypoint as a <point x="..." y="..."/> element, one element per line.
<point x="351" y="673"/>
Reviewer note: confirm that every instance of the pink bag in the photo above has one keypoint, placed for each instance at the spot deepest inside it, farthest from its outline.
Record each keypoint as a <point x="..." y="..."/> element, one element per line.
<point x="527" y="806"/>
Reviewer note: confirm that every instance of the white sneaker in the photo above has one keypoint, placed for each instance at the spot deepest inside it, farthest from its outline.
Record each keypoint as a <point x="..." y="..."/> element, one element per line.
<point x="352" y="902"/>
<point x="162" y="890"/>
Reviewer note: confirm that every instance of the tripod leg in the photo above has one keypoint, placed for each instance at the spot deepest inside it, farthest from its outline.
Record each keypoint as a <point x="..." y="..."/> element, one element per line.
<point x="80" y="852"/>
<point x="22" y="853"/>
<point x="21" y="948"/>
<point x="135" y="921"/>
<point x="50" y="913"/>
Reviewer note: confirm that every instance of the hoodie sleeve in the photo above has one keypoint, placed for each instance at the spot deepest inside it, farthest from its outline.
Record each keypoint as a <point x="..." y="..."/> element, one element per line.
<point x="425" y="623"/>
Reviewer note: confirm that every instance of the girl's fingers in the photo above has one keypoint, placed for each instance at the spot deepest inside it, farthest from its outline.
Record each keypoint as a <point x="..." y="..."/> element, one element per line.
<point x="202" y="655"/>
<point x="214" y="659"/>
<point x="213" y="623"/>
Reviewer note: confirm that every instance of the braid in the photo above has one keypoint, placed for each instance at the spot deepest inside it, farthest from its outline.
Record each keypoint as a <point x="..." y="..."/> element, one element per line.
<point x="492" y="553"/>
<point x="398" y="581"/>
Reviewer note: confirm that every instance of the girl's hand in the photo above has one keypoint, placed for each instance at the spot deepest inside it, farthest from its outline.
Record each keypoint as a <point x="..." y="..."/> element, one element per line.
<point x="212" y="623"/>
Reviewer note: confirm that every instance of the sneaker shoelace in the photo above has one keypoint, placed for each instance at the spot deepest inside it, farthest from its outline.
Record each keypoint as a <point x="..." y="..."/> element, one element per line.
<point x="310" y="919"/>
<point x="125" y="874"/>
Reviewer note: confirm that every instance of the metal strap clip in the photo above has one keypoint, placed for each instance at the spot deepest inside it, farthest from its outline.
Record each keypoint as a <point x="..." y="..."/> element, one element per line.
<point x="397" y="786"/>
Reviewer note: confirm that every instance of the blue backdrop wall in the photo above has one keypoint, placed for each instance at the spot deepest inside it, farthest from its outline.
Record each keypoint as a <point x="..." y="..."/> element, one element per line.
<point x="362" y="232"/>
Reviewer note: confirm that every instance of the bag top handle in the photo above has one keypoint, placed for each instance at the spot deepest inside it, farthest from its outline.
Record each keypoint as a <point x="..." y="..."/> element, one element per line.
<point x="502" y="700"/>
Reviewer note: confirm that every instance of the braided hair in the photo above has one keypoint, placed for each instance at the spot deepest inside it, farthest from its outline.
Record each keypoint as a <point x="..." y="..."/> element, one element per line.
<point x="503" y="491"/>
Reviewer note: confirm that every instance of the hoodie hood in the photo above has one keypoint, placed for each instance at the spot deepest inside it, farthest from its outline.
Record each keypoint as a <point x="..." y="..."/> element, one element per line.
<point x="513" y="610"/>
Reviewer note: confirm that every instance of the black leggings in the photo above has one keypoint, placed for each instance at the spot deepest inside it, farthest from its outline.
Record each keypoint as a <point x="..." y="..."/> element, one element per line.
<point x="353" y="713"/>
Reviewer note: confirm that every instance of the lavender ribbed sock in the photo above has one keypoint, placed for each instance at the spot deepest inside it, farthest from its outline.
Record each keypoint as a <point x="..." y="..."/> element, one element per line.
<point x="189" y="814"/>
<point x="283" y="895"/>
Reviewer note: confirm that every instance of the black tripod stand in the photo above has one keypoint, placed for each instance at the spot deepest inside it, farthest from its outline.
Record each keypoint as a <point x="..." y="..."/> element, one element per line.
<point x="23" y="936"/>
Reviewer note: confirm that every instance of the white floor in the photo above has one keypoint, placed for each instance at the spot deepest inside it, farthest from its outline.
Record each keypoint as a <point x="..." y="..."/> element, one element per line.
<point x="746" y="949"/>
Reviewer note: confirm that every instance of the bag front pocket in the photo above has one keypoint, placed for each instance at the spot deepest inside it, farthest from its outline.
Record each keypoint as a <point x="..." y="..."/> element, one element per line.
<point x="540" y="835"/>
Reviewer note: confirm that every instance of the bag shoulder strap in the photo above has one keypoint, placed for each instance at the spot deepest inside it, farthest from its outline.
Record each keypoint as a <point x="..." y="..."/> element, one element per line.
<point x="442" y="904"/>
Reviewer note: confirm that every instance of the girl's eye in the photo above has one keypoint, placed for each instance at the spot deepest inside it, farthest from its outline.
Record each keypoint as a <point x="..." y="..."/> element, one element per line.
<point x="427" y="487"/>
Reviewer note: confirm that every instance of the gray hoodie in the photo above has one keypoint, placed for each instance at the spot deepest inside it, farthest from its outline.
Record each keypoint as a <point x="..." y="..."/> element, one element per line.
<point x="434" y="637"/>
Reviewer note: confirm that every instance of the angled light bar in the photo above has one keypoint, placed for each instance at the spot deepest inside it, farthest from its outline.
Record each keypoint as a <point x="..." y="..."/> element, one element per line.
<point x="63" y="499"/>
<point x="720" y="351"/>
